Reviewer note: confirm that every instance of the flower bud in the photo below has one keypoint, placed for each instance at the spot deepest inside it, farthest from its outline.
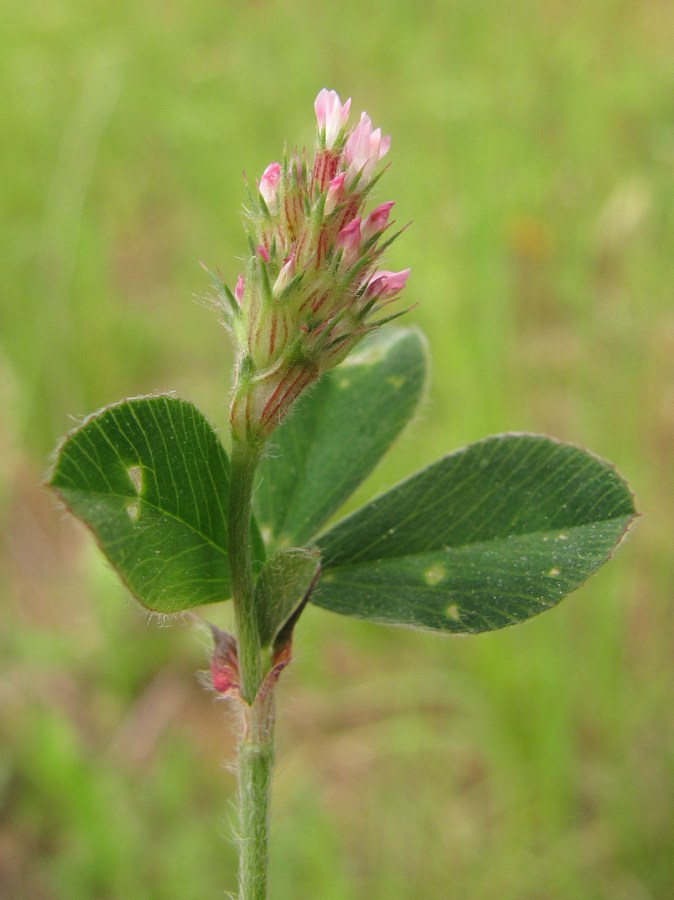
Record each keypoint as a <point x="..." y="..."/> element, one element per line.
<point x="269" y="185"/>
<point x="348" y="241"/>
<point x="239" y="289"/>
<point x="385" y="285"/>
<point x="376" y="222"/>
<point x="285" y="276"/>
<point x="334" y="194"/>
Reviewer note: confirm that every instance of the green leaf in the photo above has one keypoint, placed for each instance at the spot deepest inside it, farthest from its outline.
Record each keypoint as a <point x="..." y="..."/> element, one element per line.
<point x="486" y="537"/>
<point x="282" y="587"/>
<point x="151" y="480"/>
<point x="337" y="434"/>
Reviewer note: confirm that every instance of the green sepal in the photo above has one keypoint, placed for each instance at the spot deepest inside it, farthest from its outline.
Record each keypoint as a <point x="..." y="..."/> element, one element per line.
<point x="281" y="588"/>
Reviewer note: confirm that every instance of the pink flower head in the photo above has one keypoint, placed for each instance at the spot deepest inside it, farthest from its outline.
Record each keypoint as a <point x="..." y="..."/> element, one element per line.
<point x="335" y="193"/>
<point x="377" y="220"/>
<point x="331" y="115"/>
<point x="364" y="148"/>
<point x="348" y="241"/>
<point x="385" y="285"/>
<point x="238" y="290"/>
<point x="313" y="288"/>
<point x="269" y="185"/>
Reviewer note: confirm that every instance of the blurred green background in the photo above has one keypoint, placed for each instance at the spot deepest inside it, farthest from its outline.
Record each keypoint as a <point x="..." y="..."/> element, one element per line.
<point x="533" y="150"/>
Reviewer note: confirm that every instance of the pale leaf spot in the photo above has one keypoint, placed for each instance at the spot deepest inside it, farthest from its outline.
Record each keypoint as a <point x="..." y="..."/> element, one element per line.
<point x="435" y="574"/>
<point x="135" y="474"/>
<point x="562" y="537"/>
<point x="452" y="612"/>
<point x="396" y="381"/>
<point x="367" y="355"/>
<point x="554" y="572"/>
<point x="133" y="510"/>
<point x="343" y="383"/>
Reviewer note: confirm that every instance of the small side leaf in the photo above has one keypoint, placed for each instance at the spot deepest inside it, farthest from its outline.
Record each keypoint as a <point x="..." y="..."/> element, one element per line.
<point x="282" y="587"/>
<point x="486" y="537"/>
<point x="337" y="434"/>
<point x="151" y="480"/>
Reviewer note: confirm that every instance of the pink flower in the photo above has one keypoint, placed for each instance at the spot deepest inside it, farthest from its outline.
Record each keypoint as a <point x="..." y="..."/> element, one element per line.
<point x="331" y="115"/>
<point x="238" y="290"/>
<point x="364" y="148"/>
<point x="348" y="241"/>
<point x="377" y="220"/>
<point x="335" y="193"/>
<point x="263" y="253"/>
<point x="269" y="185"/>
<point x="384" y="285"/>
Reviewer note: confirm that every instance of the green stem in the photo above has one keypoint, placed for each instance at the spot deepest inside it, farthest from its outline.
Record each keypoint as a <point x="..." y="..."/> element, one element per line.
<point x="256" y="756"/>
<point x="256" y="744"/>
<point x="243" y="465"/>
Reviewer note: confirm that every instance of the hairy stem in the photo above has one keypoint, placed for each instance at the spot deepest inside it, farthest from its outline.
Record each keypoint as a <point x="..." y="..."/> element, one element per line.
<point x="256" y="745"/>
<point x="244" y="463"/>
<point x="255" y="760"/>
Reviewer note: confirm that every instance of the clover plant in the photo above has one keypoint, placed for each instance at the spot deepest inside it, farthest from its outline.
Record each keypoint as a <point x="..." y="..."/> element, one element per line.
<point x="485" y="537"/>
